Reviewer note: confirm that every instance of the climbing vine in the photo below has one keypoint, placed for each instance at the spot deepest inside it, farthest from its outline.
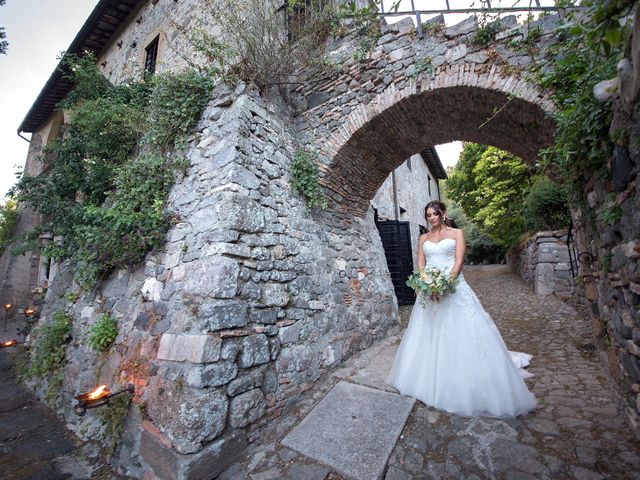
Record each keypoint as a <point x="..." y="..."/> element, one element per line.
<point x="109" y="174"/>
<point x="50" y="342"/>
<point x="588" y="53"/>
<point x="365" y="24"/>
<point x="304" y="178"/>
<point x="113" y="419"/>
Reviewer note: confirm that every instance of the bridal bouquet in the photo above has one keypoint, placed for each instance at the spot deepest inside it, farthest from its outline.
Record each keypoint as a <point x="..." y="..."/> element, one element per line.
<point x="432" y="283"/>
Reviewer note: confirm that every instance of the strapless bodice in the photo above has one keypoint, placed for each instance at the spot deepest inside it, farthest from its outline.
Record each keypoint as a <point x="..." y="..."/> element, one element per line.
<point x="441" y="255"/>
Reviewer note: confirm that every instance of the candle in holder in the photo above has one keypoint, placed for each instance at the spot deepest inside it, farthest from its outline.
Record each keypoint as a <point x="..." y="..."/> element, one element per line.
<point x="96" y="398"/>
<point x="7" y="307"/>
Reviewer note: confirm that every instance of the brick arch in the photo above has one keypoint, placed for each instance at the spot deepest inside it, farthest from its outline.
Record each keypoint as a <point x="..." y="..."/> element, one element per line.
<point x="452" y="104"/>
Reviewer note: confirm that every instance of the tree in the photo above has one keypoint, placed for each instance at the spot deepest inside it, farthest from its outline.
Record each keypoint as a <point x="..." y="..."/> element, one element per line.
<point x="481" y="248"/>
<point x="503" y="182"/>
<point x="461" y="185"/>
<point x="4" y="45"/>
<point x="491" y="186"/>
<point x="545" y="207"/>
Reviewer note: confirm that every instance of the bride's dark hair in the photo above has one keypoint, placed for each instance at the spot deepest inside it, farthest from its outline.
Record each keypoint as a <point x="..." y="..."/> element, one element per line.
<point x="440" y="209"/>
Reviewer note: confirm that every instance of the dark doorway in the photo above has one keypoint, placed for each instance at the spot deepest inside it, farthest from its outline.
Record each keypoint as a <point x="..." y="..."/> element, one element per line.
<point x="396" y="240"/>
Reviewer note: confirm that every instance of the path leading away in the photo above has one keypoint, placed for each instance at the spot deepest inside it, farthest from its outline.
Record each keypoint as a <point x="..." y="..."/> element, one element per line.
<point x="577" y="432"/>
<point x="34" y="443"/>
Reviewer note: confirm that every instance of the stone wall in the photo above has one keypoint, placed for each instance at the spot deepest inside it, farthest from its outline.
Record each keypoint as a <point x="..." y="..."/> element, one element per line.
<point x="542" y="261"/>
<point x="608" y="227"/>
<point x="249" y="302"/>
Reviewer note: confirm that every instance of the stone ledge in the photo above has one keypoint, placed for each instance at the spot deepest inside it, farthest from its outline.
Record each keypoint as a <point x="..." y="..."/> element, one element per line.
<point x="167" y="464"/>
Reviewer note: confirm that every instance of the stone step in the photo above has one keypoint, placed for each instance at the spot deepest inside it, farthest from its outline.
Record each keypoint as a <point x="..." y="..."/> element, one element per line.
<point x="353" y="430"/>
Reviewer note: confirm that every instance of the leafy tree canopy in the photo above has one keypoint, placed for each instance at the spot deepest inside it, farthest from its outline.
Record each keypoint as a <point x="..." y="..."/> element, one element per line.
<point x="503" y="196"/>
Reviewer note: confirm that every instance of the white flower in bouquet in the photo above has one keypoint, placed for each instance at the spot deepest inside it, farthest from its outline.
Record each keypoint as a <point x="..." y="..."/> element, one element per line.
<point x="432" y="283"/>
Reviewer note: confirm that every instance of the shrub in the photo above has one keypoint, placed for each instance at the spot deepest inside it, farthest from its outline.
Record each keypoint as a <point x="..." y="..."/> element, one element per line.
<point x="304" y="178"/>
<point x="264" y="49"/>
<point x="103" y="333"/>
<point x="546" y="207"/>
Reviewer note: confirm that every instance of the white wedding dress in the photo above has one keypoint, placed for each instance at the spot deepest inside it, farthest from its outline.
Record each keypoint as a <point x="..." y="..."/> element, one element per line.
<point x="452" y="356"/>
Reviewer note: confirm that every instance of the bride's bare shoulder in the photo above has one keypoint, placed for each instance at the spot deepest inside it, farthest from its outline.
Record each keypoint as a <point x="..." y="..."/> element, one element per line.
<point x="455" y="232"/>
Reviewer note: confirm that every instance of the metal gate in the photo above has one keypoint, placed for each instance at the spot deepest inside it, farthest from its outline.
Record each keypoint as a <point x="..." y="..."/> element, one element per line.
<point x="396" y="240"/>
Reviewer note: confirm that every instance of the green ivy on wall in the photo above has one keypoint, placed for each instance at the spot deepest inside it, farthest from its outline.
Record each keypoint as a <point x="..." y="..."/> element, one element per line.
<point x="105" y="190"/>
<point x="50" y="342"/>
<point x="304" y="178"/>
<point x="589" y="50"/>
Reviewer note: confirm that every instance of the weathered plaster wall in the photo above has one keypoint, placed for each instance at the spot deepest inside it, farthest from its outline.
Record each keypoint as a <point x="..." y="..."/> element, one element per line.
<point x="412" y="195"/>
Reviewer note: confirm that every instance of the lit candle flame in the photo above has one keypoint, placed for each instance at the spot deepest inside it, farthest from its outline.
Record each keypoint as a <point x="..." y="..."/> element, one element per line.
<point x="7" y="306"/>
<point x="9" y="343"/>
<point x="99" y="392"/>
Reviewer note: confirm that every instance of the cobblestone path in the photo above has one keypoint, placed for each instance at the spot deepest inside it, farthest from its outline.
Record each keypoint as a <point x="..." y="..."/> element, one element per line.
<point x="34" y="443"/>
<point x="577" y="432"/>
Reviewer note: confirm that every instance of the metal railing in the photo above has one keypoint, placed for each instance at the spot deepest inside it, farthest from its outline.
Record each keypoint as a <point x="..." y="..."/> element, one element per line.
<point x="576" y="260"/>
<point x="297" y="15"/>
<point x="485" y="7"/>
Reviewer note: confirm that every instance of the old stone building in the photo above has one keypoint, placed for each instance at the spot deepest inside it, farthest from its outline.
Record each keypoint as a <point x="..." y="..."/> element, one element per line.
<point x="253" y="298"/>
<point x="399" y="215"/>
<point x="407" y="190"/>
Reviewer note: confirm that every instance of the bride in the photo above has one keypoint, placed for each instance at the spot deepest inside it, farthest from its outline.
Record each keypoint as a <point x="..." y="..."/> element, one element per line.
<point x="452" y="356"/>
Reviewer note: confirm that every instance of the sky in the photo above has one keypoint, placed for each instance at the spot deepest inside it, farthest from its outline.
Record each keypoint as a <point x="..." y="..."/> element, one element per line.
<point x="39" y="30"/>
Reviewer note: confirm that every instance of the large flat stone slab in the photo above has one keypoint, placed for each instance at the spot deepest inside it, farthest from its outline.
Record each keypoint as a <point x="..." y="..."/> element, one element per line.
<point x="353" y="430"/>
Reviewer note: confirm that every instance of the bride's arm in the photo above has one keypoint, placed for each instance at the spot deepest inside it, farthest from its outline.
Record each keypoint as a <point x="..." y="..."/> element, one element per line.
<point x="421" y="260"/>
<point x="461" y="248"/>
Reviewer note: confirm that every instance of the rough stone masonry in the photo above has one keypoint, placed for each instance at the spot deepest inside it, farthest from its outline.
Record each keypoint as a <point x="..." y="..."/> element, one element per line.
<point x="252" y="297"/>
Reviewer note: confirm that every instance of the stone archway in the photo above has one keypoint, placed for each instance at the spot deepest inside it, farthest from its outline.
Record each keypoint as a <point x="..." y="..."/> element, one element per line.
<point x="378" y="137"/>
<point x="413" y="93"/>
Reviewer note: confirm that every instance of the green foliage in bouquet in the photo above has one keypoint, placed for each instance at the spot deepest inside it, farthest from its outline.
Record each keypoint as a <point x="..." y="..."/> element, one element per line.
<point x="432" y="283"/>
